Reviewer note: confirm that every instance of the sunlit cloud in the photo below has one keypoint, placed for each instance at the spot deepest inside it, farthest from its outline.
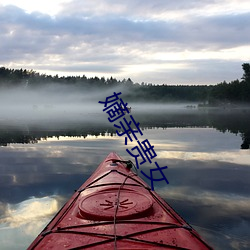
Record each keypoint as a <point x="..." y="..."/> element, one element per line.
<point x="45" y="6"/>
<point x="188" y="56"/>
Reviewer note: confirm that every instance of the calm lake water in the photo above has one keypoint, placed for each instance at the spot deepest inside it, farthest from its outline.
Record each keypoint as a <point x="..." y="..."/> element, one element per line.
<point x="44" y="158"/>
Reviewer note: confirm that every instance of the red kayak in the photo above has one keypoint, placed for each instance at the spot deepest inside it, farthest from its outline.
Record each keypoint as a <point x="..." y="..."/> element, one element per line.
<point x="116" y="209"/>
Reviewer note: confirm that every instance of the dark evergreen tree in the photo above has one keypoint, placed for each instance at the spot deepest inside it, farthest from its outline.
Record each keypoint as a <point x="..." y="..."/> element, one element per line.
<point x="246" y="69"/>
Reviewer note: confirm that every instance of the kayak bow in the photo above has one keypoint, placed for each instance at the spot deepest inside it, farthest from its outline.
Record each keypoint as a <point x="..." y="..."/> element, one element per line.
<point x="115" y="209"/>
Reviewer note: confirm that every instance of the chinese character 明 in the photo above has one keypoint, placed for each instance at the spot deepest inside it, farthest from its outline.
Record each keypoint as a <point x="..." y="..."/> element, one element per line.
<point x="146" y="148"/>
<point x="129" y="130"/>
<point x="156" y="179"/>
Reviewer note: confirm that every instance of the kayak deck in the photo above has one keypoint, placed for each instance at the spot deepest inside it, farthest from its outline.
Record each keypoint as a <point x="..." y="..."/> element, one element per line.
<point x="115" y="209"/>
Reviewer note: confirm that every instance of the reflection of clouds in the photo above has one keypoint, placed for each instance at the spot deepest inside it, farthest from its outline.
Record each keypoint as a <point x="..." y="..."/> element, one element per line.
<point x="227" y="240"/>
<point x="228" y="203"/>
<point x="29" y="212"/>
<point x="199" y="173"/>
<point x="2" y="209"/>
<point x="76" y="149"/>
<point x="104" y="136"/>
<point x="221" y="218"/>
<point x="192" y="139"/>
<point x="169" y="146"/>
<point x="14" y="179"/>
<point x="22" y="222"/>
<point x="48" y="164"/>
<point x="237" y="156"/>
<point x="67" y="156"/>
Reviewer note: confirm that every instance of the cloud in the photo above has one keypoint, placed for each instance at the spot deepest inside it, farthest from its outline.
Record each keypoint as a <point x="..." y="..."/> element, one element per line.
<point x="141" y="10"/>
<point x="115" y="38"/>
<point x="44" y="31"/>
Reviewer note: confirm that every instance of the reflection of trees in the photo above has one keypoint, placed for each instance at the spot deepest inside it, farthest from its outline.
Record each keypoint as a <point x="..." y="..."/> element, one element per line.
<point x="246" y="141"/>
<point x="234" y="121"/>
<point x="20" y="135"/>
<point x="16" y="137"/>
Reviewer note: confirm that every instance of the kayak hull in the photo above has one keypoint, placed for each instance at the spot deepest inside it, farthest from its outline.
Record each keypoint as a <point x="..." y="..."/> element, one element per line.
<point x="115" y="209"/>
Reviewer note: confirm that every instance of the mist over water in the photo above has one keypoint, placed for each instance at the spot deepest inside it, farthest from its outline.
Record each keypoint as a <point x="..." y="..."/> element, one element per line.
<point x="50" y="103"/>
<point x="61" y="103"/>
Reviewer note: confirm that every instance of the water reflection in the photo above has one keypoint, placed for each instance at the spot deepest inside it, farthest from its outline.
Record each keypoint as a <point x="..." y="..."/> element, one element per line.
<point x="33" y="209"/>
<point x="20" y="222"/>
<point x="208" y="173"/>
<point x="234" y="121"/>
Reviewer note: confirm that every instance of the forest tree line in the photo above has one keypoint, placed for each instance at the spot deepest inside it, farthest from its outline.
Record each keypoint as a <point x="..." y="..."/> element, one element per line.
<point x="236" y="91"/>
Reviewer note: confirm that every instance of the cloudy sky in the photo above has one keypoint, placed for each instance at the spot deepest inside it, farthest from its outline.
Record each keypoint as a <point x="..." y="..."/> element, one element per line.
<point x="157" y="41"/>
